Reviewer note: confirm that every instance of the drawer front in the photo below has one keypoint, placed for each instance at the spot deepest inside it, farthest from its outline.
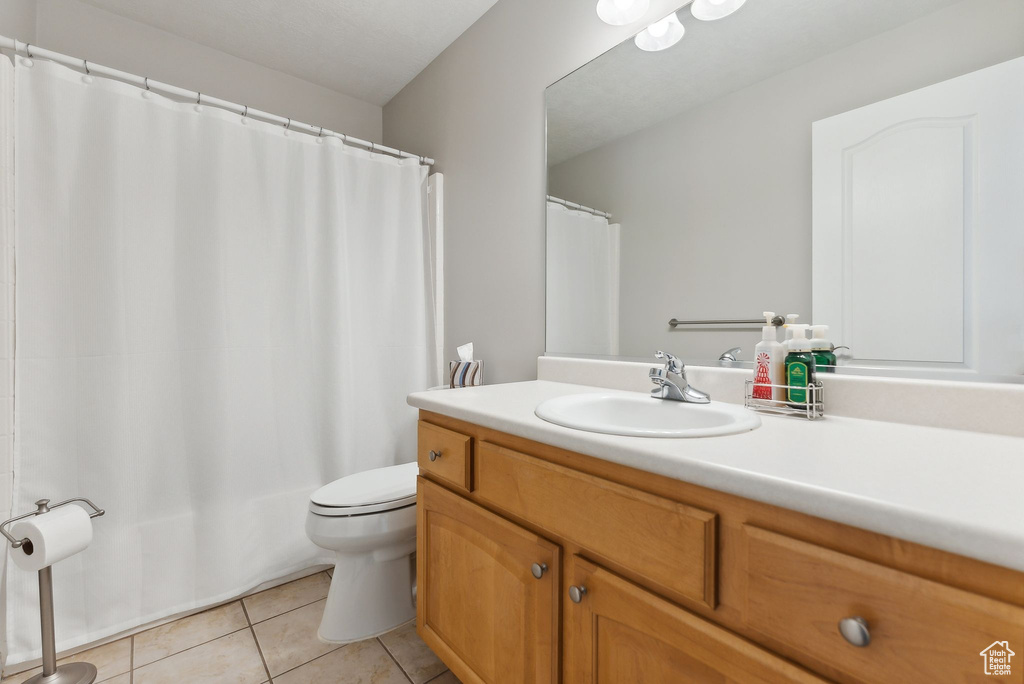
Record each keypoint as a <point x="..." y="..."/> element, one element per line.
<point x="445" y="454"/>
<point x="919" y="630"/>
<point x="662" y="542"/>
<point x="618" y="632"/>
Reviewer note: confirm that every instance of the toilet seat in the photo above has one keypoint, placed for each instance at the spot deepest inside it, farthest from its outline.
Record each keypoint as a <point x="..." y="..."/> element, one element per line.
<point x="371" y="491"/>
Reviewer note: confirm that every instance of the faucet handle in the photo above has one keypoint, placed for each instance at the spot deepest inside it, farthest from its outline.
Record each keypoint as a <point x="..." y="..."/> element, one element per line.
<point x="672" y="363"/>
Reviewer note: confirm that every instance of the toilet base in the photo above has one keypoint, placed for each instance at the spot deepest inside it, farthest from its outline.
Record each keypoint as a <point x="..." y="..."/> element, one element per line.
<point x="368" y="597"/>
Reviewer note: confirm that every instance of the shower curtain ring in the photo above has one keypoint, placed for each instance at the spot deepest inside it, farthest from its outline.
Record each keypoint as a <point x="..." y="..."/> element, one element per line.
<point x="28" y="50"/>
<point x="321" y="133"/>
<point x="288" y="125"/>
<point x="246" y="112"/>
<point x="145" y="82"/>
<point x="85" y="63"/>
<point x="199" y="98"/>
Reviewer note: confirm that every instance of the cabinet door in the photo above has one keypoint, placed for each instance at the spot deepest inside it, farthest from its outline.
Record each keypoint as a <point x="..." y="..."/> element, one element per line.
<point x="479" y="605"/>
<point x="619" y="633"/>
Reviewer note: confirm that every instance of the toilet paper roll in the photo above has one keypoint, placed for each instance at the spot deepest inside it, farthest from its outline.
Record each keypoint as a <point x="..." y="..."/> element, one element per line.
<point x="54" y="536"/>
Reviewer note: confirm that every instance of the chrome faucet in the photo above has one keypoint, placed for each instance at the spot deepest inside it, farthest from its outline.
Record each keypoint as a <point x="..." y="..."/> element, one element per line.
<point x="730" y="355"/>
<point x="666" y="389"/>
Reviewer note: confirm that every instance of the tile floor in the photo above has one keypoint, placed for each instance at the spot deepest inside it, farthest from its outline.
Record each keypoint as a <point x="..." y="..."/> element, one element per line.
<point x="263" y="638"/>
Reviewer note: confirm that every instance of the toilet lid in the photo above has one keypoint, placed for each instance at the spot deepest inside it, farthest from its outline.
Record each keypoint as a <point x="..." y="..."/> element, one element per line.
<point x="380" y="489"/>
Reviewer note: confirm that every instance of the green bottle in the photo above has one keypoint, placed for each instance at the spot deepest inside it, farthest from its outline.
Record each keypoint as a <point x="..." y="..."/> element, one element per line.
<point x="821" y="347"/>
<point x="800" y="367"/>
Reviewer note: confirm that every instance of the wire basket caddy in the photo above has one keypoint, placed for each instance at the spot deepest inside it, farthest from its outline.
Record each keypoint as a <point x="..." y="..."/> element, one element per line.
<point x="812" y="409"/>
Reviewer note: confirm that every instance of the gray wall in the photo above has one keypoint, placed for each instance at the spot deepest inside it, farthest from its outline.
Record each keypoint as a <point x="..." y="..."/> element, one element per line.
<point x="715" y="204"/>
<point x="81" y="30"/>
<point x="18" y="19"/>
<point x="478" y="109"/>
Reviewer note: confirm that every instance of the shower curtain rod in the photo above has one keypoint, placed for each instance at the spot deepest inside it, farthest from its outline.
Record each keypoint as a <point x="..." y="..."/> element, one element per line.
<point x="579" y="207"/>
<point x="32" y="52"/>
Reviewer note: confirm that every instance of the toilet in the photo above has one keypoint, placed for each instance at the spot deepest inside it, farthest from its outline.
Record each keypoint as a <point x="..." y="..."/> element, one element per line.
<point x="369" y="521"/>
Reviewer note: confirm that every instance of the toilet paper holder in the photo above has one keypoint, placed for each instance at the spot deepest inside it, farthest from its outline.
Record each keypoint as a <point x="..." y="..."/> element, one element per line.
<point x="43" y="506"/>
<point x="69" y="673"/>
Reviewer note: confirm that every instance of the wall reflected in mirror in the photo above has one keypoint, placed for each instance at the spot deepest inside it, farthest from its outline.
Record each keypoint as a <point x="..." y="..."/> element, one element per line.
<point x="860" y="164"/>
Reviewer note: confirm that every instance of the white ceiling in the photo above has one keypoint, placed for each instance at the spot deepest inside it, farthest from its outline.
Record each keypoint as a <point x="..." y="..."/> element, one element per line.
<point x="626" y="90"/>
<point x="368" y="49"/>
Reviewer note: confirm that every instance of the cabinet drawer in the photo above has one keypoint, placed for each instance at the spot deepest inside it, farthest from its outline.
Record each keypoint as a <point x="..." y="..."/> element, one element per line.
<point x="920" y="631"/>
<point x="445" y="454"/>
<point x="662" y="542"/>
<point x="620" y="633"/>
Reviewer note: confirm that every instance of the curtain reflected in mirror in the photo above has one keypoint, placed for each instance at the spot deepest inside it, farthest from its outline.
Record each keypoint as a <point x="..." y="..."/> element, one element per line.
<point x="582" y="282"/>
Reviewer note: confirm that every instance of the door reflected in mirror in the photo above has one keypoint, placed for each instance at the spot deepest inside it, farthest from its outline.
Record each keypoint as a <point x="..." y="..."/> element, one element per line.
<point x="858" y="164"/>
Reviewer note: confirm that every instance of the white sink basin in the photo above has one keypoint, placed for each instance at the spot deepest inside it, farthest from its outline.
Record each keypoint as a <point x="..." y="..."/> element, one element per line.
<point x="642" y="416"/>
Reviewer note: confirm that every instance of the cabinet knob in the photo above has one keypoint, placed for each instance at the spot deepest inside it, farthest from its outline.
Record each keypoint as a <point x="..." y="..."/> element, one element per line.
<point x="577" y="593"/>
<point x="855" y="631"/>
<point x="434" y="455"/>
<point x="538" y="569"/>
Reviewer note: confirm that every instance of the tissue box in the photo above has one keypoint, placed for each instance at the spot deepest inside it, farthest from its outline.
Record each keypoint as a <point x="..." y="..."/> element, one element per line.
<point x="465" y="373"/>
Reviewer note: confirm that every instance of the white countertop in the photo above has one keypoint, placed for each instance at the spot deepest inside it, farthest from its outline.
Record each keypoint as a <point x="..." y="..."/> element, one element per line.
<point x="954" y="490"/>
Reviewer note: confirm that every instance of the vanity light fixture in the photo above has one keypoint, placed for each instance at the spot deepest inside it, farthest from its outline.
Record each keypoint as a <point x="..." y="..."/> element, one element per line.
<point x="710" y="10"/>
<point x="621" y="12"/>
<point x="661" y="34"/>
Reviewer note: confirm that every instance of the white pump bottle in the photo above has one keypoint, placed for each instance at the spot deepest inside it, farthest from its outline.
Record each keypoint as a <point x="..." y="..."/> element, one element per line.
<point x="788" y="327"/>
<point x="769" y="363"/>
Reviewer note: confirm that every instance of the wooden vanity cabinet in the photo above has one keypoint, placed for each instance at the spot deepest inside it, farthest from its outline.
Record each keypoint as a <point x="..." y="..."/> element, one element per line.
<point x="536" y="565"/>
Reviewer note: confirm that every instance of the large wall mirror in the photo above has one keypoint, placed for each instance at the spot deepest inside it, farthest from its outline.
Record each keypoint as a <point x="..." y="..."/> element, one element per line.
<point x="860" y="164"/>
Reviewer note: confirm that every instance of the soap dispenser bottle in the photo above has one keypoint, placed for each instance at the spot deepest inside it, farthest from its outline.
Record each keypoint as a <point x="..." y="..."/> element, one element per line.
<point x="821" y="347"/>
<point x="769" y="363"/>
<point x="800" y="367"/>
<point x="788" y="327"/>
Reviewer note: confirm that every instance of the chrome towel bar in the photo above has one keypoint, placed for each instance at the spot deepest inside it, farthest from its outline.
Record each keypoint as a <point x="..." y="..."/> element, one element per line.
<point x="777" y="321"/>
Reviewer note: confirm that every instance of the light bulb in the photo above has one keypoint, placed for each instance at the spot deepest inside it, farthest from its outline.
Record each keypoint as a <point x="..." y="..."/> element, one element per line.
<point x="661" y="34"/>
<point x="710" y="10"/>
<point x="621" y="12"/>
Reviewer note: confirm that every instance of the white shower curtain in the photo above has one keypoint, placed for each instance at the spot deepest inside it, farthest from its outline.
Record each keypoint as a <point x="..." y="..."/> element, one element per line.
<point x="215" y="316"/>
<point x="582" y="283"/>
